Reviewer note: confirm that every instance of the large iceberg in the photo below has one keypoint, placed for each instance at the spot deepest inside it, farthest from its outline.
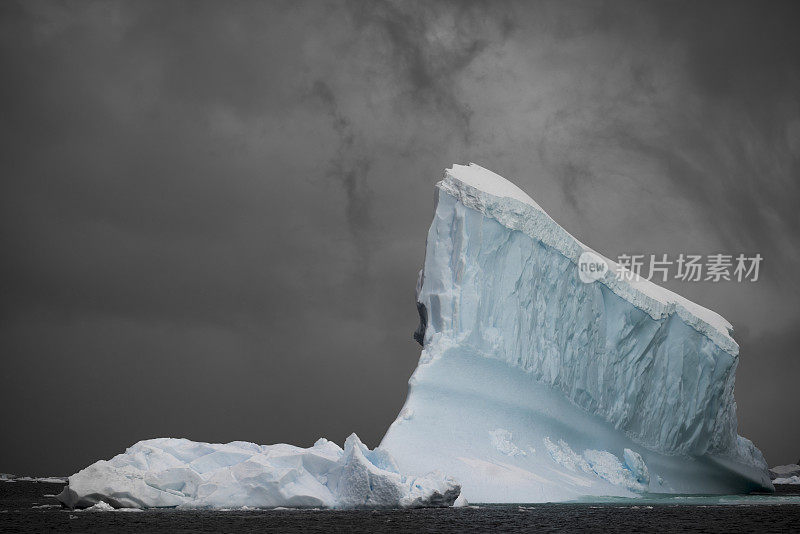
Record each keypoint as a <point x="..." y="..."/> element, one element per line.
<point x="168" y="472"/>
<point x="538" y="384"/>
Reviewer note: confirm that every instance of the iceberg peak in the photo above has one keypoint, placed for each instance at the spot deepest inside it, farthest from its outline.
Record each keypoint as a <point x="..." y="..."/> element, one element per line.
<point x="485" y="180"/>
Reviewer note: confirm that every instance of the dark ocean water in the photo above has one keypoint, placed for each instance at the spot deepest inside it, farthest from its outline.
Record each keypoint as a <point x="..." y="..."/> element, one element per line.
<point x="25" y="507"/>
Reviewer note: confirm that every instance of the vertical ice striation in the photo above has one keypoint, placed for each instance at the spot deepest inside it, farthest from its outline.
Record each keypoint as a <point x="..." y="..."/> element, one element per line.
<point x="652" y="369"/>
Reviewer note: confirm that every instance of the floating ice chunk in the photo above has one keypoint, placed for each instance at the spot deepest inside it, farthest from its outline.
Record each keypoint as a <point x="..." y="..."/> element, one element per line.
<point x="100" y="507"/>
<point x="170" y="472"/>
<point x="790" y="480"/>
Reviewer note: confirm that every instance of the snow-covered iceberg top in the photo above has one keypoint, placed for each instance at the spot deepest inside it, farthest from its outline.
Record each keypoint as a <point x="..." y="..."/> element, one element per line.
<point x="499" y="199"/>
<point x="169" y="472"/>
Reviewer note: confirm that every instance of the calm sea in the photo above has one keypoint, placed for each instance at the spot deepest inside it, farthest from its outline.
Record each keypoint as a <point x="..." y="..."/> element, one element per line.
<point x="26" y="507"/>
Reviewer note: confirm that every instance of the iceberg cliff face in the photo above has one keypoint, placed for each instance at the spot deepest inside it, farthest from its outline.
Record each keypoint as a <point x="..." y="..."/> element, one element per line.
<point x="578" y="379"/>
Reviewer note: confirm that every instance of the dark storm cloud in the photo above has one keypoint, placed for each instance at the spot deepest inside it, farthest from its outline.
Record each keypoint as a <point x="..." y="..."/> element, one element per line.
<point x="213" y="214"/>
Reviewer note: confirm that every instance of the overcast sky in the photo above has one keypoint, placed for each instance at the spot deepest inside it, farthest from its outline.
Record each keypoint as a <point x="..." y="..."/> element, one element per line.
<point x="213" y="214"/>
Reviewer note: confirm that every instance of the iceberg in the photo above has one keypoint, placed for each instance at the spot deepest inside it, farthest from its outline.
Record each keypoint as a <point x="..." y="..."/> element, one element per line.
<point x="169" y="473"/>
<point x="537" y="383"/>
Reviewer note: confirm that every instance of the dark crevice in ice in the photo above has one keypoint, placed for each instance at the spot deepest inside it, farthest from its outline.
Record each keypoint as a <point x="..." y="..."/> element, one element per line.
<point x="419" y="333"/>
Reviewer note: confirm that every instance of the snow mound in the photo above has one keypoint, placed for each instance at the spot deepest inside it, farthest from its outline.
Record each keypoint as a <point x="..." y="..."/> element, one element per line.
<point x="168" y="472"/>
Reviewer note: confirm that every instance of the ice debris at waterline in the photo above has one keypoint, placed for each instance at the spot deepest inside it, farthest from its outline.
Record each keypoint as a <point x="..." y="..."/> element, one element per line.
<point x="535" y="385"/>
<point x="168" y="472"/>
<point x="784" y="471"/>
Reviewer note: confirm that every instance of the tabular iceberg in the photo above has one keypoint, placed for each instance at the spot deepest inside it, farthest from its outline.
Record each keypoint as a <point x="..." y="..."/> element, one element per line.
<point x="168" y="472"/>
<point x="534" y="385"/>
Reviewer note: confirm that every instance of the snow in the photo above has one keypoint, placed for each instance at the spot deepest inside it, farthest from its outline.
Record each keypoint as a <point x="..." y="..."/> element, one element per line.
<point x="485" y="180"/>
<point x="621" y="386"/>
<point x="168" y="472"/>
<point x="790" y="480"/>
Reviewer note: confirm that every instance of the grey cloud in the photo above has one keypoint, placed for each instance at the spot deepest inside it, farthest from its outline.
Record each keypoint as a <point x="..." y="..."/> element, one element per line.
<point x="213" y="216"/>
<point x="348" y="167"/>
<point x="430" y="45"/>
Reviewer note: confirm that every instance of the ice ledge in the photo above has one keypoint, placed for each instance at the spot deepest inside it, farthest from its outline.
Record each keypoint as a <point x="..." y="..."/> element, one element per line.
<point x="495" y="197"/>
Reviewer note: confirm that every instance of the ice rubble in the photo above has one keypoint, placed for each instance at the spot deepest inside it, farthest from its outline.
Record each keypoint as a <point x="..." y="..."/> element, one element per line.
<point x="8" y="477"/>
<point x="636" y="378"/>
<point x="168" y="472"/>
